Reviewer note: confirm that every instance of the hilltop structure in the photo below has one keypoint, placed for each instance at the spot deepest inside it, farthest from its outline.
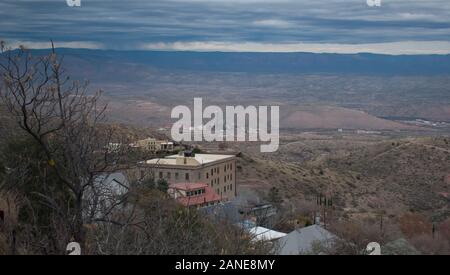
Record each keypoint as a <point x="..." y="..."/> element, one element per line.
<point x="154" y="145"/>
<point x="217" y="171"/>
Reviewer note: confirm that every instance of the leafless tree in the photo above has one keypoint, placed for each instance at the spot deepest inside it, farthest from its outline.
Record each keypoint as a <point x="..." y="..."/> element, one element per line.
<point x="78" y="152"/>
<point x="65" y="121"/>
<point x="155" y="224"/>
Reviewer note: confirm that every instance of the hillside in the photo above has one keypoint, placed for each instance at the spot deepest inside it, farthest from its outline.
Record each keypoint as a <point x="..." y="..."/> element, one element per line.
<point x="396" y="175"/>
<point x="330" y="117"/>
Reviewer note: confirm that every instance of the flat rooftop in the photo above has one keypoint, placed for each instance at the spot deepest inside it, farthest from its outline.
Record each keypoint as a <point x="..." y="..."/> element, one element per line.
<point x="199" y="159"/>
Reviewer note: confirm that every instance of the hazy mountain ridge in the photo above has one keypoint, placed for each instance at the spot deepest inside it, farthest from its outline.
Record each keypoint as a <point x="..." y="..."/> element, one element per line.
<point x="252" y="62"/>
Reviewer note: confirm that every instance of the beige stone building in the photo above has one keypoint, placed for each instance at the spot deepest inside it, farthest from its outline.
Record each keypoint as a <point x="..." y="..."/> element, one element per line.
<point x="154" y="145"/>
<point x="218" y="171"/>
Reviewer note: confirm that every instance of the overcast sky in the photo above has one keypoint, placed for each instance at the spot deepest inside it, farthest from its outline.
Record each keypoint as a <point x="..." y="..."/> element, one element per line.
<point x="343" y="26"/>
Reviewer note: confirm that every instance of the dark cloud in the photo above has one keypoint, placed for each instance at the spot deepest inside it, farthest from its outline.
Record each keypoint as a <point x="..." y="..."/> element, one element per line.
<point x="128" y="24"/>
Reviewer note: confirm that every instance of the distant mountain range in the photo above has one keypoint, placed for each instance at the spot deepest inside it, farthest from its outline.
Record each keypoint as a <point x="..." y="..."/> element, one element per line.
<point x="363" y="63"/>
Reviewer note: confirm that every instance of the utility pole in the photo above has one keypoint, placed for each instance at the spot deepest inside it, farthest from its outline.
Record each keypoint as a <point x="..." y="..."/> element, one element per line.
<point x="433" y="230"/>
<point x="13" y="245"/>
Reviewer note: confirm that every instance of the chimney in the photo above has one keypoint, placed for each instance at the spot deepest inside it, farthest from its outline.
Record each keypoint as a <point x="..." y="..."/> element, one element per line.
<point x="297" y="225"/>
<point x="317" y="221"/>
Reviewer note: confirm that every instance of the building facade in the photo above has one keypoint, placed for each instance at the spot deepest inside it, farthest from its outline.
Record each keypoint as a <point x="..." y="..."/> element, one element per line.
<point x="218" y="171"/>
<point x="194" y="194"/>
<point x="154" y="145"/>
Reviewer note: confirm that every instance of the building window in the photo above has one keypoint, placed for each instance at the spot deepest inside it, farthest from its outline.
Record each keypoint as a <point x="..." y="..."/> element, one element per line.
<point x="160" y="175"/>
<point x="212" y="183"/>
<point x="231" y="186"/>
<point x="231" y="166"/>
<point x="176" y="175"/>
<point x="224" y="178"/>
<point x="212" y="172"/>
<point x="207" y="175"/>
<point x="199" y="175"/>
<point x="186" y="176"/>
<point x="231" y="176"/>
<point x="224" y="189"/>
<point x="168" y="175"/>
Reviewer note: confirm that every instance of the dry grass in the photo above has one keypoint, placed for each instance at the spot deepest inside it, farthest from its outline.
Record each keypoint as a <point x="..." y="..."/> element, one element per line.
<point x="363" y="176"/>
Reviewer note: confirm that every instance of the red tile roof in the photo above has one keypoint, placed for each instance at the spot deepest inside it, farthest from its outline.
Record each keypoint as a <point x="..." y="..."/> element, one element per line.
<point x="208" y="197"/>
<point x="188" y="186"/>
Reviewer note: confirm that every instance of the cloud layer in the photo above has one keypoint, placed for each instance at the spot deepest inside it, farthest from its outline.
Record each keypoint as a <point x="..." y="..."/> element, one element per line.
<point x="397" y="48"/>
<point x="397" y="27"/>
